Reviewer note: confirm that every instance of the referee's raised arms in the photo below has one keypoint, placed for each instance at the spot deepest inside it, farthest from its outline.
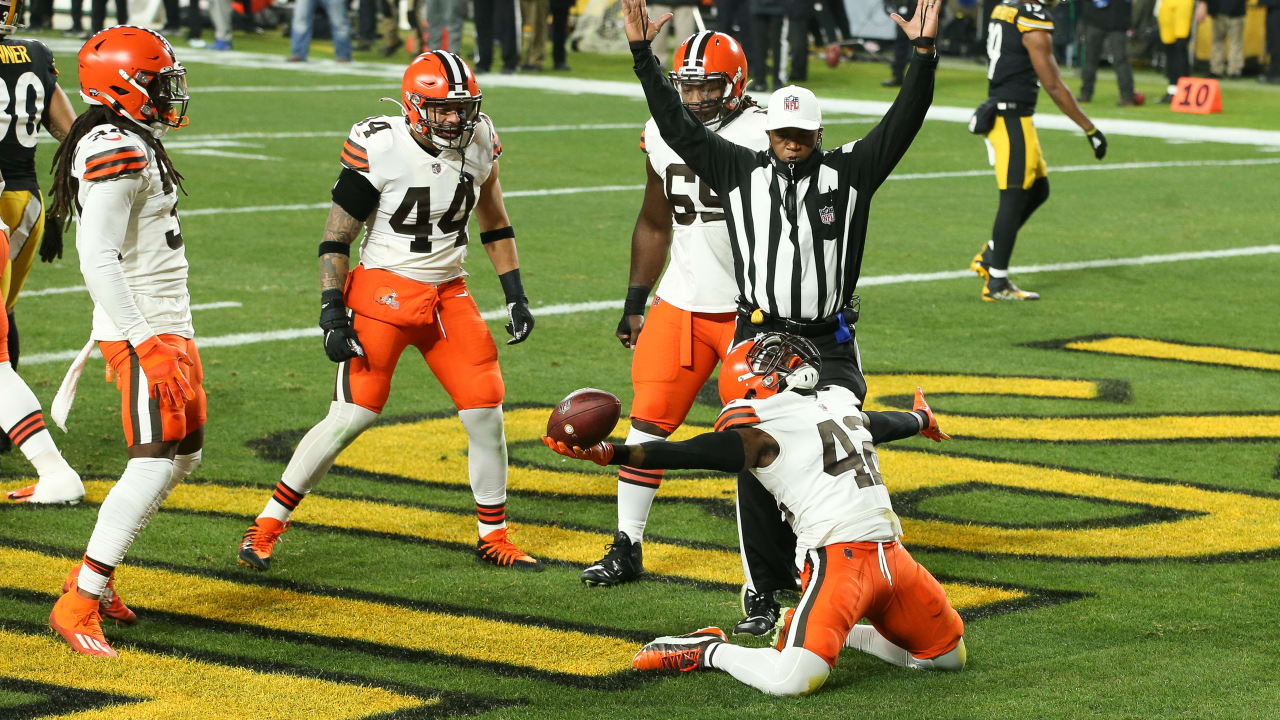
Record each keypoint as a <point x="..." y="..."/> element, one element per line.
<point x="797" y="229"/>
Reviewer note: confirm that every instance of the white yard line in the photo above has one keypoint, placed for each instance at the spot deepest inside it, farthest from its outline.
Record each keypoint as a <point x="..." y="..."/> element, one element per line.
<point x="238" y="339"/>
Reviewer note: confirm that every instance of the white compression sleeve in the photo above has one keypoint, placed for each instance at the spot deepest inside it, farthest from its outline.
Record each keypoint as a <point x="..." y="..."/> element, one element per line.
<point x="123" y="514"/>
<point x="866" y="639"/>
<point x="100" y="234"/>
<point x="794" y="671"/>
<point x="487" y="461"/>
<point x="318" y="449"/>
<point x="183" y="465"/>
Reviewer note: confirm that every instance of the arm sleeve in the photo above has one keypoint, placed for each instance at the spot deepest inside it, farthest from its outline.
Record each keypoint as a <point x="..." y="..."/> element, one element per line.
<point x="872" y="158"/>
<point x="99" y="240"/>
<point x="724" y="451"/>
<point x="355" y="194"/>
<point x="710" y="156"/>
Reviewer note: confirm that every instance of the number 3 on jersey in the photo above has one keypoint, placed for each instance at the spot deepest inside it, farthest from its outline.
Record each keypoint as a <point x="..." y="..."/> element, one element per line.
<point x="417" y="203"/>
<point x="865" y="473"/>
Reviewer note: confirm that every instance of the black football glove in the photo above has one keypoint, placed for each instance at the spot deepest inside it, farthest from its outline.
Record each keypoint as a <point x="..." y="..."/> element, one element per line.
<point x="340" y="341"/>
<point x="51" y="242"/>
<point x="1098" y="142"/>
<point x="521" y="320"/>
<point x="632" y="321"/>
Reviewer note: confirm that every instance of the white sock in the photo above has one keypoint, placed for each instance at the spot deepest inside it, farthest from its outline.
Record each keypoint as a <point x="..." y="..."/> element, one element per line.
<point x="998" y="273"/>
<point x="636" y="490"/>
<point x="122" y="516"/>
<point x="315" y="455"/>
<point x="794" y="671"/>
<point x="866" y="639"/>
<point x="487" y="466"/>
<point x="22" y="419"/>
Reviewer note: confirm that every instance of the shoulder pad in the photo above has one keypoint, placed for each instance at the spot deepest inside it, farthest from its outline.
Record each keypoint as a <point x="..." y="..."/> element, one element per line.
<point x="369" y="136"/>
<point x="1034" y="17"/>
<point x="487" y="122"/>
<point x="739" y="413"/>
<point x="109" y="153"/>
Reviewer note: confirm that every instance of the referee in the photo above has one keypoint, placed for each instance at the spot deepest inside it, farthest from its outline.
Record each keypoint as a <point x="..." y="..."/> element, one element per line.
<point x="797" y="218"/>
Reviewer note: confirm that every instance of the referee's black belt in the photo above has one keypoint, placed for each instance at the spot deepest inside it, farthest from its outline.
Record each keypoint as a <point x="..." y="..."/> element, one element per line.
<point x="757" y="318"/>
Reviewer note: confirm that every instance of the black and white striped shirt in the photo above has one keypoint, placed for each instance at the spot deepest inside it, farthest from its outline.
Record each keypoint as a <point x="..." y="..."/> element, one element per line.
<point x="798" y="230"/>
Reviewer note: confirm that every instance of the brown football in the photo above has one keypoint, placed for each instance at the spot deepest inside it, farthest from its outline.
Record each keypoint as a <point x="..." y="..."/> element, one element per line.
<point x="584" y="418"/>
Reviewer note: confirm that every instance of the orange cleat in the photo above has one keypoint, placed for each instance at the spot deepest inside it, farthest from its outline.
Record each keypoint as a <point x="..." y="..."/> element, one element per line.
<point x="678" y="652"/>
<point x="111" y="604"/>
<point x="76" y="619"/>
<point x="931" y="431"/>
<point x="496" y="549"/>
<point x="259" y="541"/>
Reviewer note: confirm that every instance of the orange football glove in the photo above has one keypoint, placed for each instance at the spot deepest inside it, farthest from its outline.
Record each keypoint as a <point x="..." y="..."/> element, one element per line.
<point x="600" y="453"/>
<point x="162" y="364"/>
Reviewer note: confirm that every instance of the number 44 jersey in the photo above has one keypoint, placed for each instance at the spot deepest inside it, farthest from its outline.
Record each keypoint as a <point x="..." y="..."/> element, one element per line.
<point x="419" y="229"/>
<point x="700" y="276"/>
<point x="826" y="477"/>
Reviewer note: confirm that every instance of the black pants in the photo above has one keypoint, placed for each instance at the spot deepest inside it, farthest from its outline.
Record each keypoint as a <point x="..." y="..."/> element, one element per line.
<point x="496" y="20"/>
<point x="901" y="44"/>
<point x="1176" y="63"/>
<point x="559" y="31"/>
<point x="1273" y="42"/>
<point x="733" y="17"/>
<point x="41" y="14"/>
<point x="98" y="14"/>
<point x="1099" y="41"/>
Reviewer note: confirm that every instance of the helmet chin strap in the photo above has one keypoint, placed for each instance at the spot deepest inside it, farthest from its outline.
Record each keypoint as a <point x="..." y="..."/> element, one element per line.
<point x="804" y="377"/>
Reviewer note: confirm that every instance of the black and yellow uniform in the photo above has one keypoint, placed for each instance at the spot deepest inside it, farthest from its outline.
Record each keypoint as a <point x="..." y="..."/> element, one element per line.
<point x="1012" y="143"/>
<point x="28" y="75"/>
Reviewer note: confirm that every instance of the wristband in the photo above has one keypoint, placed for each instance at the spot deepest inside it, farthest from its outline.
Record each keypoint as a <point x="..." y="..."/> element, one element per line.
<point x="502" y="233"/>
<point x="637" y="298"/>
<point x="923" y="42"/>
<point x="334" y="247"/>
<point x="512" y="288"/>
<point x="332" y="295"/>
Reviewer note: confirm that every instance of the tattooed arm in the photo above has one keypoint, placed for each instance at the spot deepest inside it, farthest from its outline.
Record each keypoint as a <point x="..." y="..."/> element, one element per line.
<point x="339" y="228"/>
<point x="340" y="340"/>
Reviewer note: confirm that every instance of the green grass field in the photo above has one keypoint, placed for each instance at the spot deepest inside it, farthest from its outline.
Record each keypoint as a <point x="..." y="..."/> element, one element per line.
<point x="1107" y="517"/>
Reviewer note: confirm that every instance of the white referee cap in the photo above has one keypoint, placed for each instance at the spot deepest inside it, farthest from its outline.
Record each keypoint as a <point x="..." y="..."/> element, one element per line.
<point x="793" y="107"/>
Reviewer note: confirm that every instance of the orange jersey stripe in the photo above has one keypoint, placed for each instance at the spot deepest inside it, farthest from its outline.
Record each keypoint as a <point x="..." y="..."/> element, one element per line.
<point x="114" y="170"/>
<point x="355" y="150"/>
<point x="103" y="158"/>
<point x="736" y="416"/>
<point x="353" y="162"/>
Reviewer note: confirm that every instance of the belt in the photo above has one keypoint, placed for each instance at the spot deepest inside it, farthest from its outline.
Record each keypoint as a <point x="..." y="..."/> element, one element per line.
<point x="757" y="318"/>
<point x="1023" y="108"/>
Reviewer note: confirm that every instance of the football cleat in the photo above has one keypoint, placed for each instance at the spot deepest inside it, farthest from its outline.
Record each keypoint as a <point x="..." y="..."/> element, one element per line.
<point x="981" y="262"/>
<point x="760" y="610"/>
<point x="931" y="431"/>
<point x="678" y="652"/>
<point x="623" y="562"/>
<point x="1002" y="289"/>
<point x="66" y="490"/>
<point x="778" y="636"/>
<point x="259" y="542"/>
<point x="110" y="604"/>
<point x="76" y="619"/>
<point x="496" y="549"/>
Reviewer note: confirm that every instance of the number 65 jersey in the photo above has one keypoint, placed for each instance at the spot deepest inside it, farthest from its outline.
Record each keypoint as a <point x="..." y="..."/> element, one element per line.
<point x="700" y="276"/>
<point x="425" y="196"/>
<point x="826" y="477"/>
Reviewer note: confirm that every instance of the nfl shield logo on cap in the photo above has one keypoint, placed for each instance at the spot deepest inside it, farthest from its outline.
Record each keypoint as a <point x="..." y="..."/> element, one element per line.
<point x="791" y="103"/>
<point x="793" y="107"/>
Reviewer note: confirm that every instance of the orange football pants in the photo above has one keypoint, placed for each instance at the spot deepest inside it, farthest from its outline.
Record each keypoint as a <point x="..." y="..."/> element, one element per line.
<point x="675" y="354"/>
<point x="456" y="345"/>
<point x="144" y="420"/>
<point x="845" y="582"/>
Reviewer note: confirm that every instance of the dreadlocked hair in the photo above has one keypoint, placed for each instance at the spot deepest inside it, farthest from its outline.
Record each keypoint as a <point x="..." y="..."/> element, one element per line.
<point x="66" y="186"/>
<point x="747" y="102"/>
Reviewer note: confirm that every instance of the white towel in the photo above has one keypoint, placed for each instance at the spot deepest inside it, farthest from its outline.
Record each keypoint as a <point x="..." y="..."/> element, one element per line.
<point x="61" y="406"/>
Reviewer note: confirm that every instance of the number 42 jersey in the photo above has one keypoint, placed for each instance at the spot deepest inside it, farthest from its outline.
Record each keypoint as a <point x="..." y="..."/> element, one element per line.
<point x="826" y="477"/>
<point x="425" y="196"/>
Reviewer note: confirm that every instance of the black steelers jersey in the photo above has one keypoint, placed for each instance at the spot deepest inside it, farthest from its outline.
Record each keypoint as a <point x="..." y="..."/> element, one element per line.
<point x="27" y="77"/>
<point x="1009" y="71"/>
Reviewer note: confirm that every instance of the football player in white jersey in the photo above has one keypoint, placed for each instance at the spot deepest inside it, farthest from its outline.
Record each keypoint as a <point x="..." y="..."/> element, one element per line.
<point x="115" y="173"/>
<point x="412" y="182"/>
<point x="810" y="447"/>
<point x="690" y="326"/>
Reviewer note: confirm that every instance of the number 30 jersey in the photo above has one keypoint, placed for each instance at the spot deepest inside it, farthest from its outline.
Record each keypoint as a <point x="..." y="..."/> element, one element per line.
<point x="425" y="197"/>
<point x="27" y="77"/>
<point x="700" y="276"/>
<point x="826" y="477"/>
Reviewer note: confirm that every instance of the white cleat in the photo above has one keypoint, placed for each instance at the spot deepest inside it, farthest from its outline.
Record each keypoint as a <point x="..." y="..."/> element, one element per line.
<point x="62" y="489"/>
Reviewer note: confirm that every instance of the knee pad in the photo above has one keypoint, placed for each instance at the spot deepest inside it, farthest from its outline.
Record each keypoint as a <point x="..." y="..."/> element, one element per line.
<point x="803" y="671"/>
<point x="347" y="420"/>
<point x="952" y="660"/>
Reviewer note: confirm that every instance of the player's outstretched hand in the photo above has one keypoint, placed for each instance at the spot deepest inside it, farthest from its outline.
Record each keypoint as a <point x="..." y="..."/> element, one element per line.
<point x="915" y="27"/>
<point x="628" y="331"/>
<point x="635" y="19"/>
<point x="1098" y="142"/>
<point x="520" y="321"/>
<point x="600" y="453"/>
<point x="162" y="365"/>
<point x="340" y="340"/>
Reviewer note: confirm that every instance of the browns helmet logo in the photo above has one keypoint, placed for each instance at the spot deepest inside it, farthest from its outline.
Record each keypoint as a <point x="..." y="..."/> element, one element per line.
<point x="386" y="296"/>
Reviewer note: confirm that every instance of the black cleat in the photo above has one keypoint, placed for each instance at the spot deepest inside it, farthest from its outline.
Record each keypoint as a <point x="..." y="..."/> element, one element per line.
<point x="761" y="611"/>
<point x="1001" y="289"/>
<point x="981" y="262"/>
<point x="623" y="562"/>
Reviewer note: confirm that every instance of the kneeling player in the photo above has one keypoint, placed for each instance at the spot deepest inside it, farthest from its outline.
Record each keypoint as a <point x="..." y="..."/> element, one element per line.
<point x="812" y="450"/>
<point x="413" y="180"/>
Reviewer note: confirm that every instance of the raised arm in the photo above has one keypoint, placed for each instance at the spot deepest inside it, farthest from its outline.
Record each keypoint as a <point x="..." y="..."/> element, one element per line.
<point x="499" y="240"/>
<point x="875" y="156"/>
<point x="650" y="242"/>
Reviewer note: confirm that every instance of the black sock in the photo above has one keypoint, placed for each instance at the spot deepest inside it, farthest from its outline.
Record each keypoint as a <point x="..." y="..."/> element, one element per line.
<point x="1039" y="192"/>
<point x="1010" y="216"/>
<point x="889" y="426"/>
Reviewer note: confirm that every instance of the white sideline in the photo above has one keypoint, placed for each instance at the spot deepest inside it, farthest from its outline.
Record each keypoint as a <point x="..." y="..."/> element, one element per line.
<point x="632" y="90"/>
<point x="572" y="308"/>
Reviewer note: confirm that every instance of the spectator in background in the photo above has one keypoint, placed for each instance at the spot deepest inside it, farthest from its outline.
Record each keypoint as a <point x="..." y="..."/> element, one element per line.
<point x="445" y="15"/>
<point x="768" y="18"/>
<point x="1174" y="18"/>
<point x="304" y="20"/>
<point x="1106" y="27"/>
<point x="534" y="12"/>
<point x="77" y="20"/>
<point x="1228" y="24"/>
<point x="901" y="45"/>
<point x="496" y="18"/>
<point x="680" y="26"/>
<point x="1272" y="75"/>
<point x="41" y="15"/>
<point x="220" y="14"/>
<point x="98" y="14"/>
<point x="172" y="18"/>
<point x="733" y="17"/>
<point x="560" y="33"/>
